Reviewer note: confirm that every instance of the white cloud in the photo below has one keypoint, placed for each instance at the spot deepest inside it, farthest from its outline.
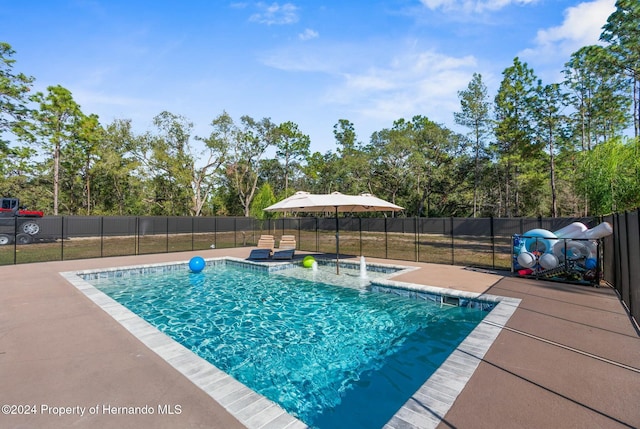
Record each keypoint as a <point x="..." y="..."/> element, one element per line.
<point x="423" y="83"/>
<point x="376" y="90"/>
<point x="473" y="6"/>
<point x="308" y="34"/>
<point x="582" y="26"/>
<point x="275" y="14"/>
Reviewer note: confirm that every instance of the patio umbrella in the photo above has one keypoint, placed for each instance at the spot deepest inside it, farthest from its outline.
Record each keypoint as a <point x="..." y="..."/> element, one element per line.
<point x="334" y="202"/>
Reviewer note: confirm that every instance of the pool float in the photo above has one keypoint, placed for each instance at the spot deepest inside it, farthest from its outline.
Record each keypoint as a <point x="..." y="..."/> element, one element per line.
<point x="574" y="249"/>
<point x="308" y="261"/>
<point x="577" y="241"/>
<point x="571" y="230"/>
<point x="539" y="240"/>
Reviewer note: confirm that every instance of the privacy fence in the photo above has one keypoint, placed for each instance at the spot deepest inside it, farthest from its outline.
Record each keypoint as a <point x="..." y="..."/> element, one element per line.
<point x="477" y="242"/>
<point x="621" y="258"/>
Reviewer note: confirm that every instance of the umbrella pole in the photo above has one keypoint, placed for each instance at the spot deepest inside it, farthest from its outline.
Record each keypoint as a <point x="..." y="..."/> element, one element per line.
<point x="337" y="243"/>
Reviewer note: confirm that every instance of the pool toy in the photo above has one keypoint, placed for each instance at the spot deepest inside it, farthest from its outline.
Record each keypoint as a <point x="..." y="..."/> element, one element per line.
<point x="527" y="259"/>
<point x="196" y="264"/>
<point x="571" y="230"/>
<point x="539" y="240"/>
<point x="573" y="250"/>
<point x="568" y="254"/>
<point x="548" y="261"/>
<point x="308" y="261"/>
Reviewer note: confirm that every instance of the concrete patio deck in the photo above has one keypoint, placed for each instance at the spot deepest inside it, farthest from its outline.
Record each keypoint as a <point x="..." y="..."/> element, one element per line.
<point x="568" y="357"/>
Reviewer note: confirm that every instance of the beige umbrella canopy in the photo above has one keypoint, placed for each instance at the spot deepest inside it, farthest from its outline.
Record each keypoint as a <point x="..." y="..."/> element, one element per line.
<point x="334" y="202"/>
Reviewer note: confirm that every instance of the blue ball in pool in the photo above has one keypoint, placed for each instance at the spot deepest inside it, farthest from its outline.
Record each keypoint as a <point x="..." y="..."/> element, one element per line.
<point x="196" y="264"/>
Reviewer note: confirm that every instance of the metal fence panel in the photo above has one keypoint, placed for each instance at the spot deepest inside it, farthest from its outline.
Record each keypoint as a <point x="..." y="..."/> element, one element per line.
<point x="435" y="244"/>
<point x="434" y="225"/>
<point x="610" y="253"/>
<point x="478" y="227"/>
<point x="623" y="245"/>
<point x="633" y="242"/>
<point x="503" y="227"/>
<point x="484" y="242"/>
<point x="225" y="233"/>
<point x="119" y="226"/>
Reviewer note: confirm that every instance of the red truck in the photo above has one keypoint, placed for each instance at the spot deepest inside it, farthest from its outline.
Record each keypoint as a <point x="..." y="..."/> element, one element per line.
<point x="12" y="215"/>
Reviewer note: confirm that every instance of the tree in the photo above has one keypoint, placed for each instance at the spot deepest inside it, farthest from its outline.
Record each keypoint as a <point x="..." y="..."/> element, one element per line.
<point x="548" y="103"/>
<point x="117" y="182"/>
<point x="513" y="130"/>
<point x="390" y="151"/>
<point x="432" y="165"/>
<point x="352" y="169"/>
<point x="215" y="155"/>
<point x="475" y="115"/>
<point x="320" y="172"/>
<point x="611" y="176"/>
<point x="78" y="159"/>
<point x="622" y="32"/>
<point x="13" y="90"/>
<point x="597" y="93"/>
<point x="172" y="164"/>
<point x="55" y="127"/>
<point x="249" y="145"/>
<point x="599" y="96"/>
<point x="264" y="198"/>
<point x="292" y="146"/>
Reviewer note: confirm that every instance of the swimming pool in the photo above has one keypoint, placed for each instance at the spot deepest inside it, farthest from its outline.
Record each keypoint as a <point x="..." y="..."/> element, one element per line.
<point x="324" y="353"/>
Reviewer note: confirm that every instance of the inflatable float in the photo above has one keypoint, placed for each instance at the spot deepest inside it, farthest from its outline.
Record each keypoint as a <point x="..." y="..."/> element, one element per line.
<point x="568" y="254"/>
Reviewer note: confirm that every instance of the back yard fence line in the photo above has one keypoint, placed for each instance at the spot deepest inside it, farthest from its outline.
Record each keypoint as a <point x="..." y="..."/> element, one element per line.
<point x="476" y="242"/>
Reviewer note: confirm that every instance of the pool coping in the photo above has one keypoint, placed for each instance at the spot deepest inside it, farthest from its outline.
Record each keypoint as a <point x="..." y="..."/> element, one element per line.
<point x="425" y="409"/>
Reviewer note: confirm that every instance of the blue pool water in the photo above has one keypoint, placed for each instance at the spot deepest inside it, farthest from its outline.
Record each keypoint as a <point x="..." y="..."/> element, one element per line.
<point x="330" y="355"/>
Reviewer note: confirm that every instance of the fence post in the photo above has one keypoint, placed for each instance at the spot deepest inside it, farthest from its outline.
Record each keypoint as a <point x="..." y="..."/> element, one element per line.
<point x="630" y="264"/>
<point x="634" y="309"/>
<point x="102" y="236"/>
<point x="617" y="252"/>
<point x="453" y="247"/>
<point x="416" y="234"/>
<point x="15" y="240"/>
<point x="166" y="245"/>
<point x="360" y="228"/>
<point x="386" y="240"/>
<point x="493" y="244"/>
<point x="62" y="238"/>
<point x="136" y="242"/>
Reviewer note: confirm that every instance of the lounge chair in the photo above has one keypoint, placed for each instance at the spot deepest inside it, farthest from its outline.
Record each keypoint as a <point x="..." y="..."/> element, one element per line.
<point x="260" y="254"/>
<point x="287" y="242"/>
<point x="266" y="242"/>
<point x="283" y="254"/>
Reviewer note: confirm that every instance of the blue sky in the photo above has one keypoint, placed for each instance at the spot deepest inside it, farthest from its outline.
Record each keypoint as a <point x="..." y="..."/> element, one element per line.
<point x="312" y="62"/>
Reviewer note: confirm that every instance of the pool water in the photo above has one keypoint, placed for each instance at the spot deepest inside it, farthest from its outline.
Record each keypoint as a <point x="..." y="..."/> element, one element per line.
<point x="332" y="356"/>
